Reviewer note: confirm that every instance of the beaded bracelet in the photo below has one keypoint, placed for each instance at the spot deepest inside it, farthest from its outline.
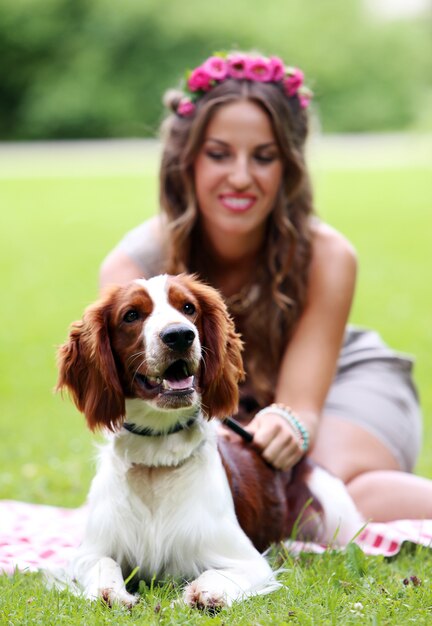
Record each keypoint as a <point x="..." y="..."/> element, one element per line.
<point x="288" y="414"/>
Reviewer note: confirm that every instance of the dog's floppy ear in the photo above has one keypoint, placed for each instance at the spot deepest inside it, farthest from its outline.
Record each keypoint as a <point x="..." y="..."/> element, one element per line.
<point x="222" y="367"/>
<point x="87" y="367"/>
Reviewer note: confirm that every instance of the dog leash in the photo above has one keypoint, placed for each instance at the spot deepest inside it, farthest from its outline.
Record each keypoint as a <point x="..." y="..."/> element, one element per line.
<point x="237" y="428"/>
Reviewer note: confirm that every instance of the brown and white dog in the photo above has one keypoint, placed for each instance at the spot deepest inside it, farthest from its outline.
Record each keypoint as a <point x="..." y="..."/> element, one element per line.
<point x="150" y="363"/>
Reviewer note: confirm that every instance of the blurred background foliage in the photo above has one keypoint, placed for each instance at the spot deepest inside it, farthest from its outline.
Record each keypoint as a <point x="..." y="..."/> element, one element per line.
<point x="98" y="68"/>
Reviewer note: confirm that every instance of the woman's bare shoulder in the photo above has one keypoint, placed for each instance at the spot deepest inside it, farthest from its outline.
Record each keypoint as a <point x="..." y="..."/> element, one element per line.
<point x="334" y="259"/>
<point x="327" y="240"/>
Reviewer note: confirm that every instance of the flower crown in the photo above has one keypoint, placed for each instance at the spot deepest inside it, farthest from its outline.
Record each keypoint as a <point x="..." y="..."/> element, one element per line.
<point x="241" y="66"/>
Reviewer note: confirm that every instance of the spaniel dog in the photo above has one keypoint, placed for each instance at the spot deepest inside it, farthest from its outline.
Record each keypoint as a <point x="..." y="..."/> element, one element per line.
<point x="151" y="363"/>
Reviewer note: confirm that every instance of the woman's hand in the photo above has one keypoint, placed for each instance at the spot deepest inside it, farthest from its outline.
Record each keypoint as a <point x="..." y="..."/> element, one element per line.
<point x="278" y="442"/>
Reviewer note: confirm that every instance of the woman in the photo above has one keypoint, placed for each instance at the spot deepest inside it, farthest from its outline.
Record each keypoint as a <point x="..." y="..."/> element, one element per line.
<point x="237" y="209"/>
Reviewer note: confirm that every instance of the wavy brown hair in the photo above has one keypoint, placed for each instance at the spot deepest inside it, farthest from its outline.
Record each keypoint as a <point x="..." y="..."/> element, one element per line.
<point x="267" y="324"/>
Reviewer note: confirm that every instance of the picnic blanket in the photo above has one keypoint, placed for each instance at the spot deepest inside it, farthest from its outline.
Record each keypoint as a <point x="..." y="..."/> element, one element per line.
<point x="36" y="537"/>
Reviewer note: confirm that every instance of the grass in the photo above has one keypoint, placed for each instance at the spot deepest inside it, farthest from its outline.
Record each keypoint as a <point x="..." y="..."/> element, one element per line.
<point x="56" y="229"/>
<point x="332" y="588"/>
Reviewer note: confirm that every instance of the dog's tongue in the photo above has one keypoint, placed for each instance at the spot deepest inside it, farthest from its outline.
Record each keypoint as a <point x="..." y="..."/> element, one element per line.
<point x="173" y="383"/>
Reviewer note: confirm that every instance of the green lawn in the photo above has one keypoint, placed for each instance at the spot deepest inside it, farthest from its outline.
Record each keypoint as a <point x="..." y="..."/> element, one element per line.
<point x="55" y="232"/>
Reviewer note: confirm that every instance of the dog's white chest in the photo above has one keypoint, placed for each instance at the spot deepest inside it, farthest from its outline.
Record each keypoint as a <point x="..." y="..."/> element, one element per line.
<point x="151" y="485"/>
<point x="164" y="519"/>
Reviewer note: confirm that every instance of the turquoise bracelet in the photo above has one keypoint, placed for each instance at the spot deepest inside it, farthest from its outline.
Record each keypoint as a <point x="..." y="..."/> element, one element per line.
<point x="288" y="414"/>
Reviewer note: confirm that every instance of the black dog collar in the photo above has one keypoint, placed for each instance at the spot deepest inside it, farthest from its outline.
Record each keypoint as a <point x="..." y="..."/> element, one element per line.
<point x="149" y="432"/>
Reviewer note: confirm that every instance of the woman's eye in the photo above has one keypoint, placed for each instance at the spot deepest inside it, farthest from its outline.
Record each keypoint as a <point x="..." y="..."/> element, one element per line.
<point x="131" y="316"/>
<point x="189" y="308"/>
<point x="216" y="156"/>
<point x="265" y="158"/>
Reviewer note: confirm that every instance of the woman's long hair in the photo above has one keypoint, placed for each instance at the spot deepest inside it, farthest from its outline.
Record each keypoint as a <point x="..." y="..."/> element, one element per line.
<point x="268" y="322"/>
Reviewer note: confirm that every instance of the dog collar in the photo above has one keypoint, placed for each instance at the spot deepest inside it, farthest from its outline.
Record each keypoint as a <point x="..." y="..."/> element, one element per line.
<point x="149" y="432"/>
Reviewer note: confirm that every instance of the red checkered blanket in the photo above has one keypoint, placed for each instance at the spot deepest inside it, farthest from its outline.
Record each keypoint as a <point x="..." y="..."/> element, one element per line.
<point x="36" y="537"/>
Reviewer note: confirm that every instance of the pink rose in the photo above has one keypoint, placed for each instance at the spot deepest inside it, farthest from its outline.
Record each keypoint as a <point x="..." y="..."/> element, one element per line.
<point x="293" y="81"/>
<point x="237" y="66"/>
<point x="278" y="69"/>
<point x="259" y="69"/>
<point x="199" y="80"/>
<point x="186" y="108"/>
<point x="216" y="68"/>
<point x="305" y="96"/>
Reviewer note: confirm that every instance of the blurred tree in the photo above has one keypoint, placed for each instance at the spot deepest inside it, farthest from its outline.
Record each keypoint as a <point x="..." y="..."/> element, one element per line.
<point x="93" y="68"/>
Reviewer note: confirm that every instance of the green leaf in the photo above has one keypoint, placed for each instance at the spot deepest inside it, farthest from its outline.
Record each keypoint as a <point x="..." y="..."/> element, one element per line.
<point x="356" y="560"/>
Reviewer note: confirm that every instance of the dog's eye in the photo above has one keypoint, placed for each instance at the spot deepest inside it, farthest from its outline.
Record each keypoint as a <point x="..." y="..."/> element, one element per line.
<point x="131" y="316"/>
<point x="189" y="308"/>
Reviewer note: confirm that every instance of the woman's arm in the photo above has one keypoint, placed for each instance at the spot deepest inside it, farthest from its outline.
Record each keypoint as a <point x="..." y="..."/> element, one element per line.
<point x="140" y="254"/>
<point x="309" y="363"/>
<point x="118" y="268"/>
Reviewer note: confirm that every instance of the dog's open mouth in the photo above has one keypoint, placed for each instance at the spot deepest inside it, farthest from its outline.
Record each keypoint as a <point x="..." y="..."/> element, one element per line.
<point x="176" y="379"/>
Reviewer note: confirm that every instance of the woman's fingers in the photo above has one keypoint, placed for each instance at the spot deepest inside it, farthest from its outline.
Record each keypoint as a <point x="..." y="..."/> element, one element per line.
<point x="276" y="440"/>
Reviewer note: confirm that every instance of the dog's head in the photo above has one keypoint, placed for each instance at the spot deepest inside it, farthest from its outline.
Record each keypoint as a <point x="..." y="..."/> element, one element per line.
<point x="168" y="341"/>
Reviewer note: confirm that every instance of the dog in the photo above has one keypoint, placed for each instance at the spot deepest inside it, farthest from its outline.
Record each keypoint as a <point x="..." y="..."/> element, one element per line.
<point x="150" y="363"/>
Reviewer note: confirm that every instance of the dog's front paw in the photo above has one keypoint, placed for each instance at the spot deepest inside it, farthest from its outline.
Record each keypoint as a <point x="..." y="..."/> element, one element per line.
<point x="205" y="599"/>
<point x="111" y="596"/>
<point x="105" y="582"/>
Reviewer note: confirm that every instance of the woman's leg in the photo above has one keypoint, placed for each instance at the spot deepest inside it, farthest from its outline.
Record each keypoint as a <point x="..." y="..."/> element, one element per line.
<point x="372" y="474"/>
<point x="383" y="496"/>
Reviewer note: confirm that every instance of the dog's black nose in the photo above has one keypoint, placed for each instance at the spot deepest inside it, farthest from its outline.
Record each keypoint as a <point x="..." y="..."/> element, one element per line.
<point x="177" y="337"/>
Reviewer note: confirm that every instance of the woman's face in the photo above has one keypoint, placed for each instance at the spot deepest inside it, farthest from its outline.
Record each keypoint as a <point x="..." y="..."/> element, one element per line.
<point x="238" y="171"/>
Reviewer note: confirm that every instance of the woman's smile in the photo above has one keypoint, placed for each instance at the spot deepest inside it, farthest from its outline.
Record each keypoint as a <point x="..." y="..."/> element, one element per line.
<point x="238" y="202"/>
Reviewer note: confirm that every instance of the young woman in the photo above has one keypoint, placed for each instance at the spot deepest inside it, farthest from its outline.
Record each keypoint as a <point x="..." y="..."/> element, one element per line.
<point x="236" y="208"/>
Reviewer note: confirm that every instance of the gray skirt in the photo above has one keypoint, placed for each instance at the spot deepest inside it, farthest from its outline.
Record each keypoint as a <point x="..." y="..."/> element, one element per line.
<point x="373" y="388"/>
